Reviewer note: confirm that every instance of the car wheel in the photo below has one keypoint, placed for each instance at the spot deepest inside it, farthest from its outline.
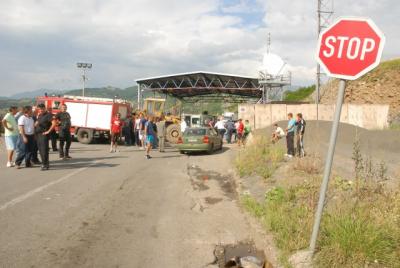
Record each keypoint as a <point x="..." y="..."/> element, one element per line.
<point x="211" y="149"/>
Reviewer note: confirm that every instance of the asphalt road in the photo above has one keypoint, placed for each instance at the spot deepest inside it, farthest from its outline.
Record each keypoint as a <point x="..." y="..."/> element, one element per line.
<point x="119" y="210"/>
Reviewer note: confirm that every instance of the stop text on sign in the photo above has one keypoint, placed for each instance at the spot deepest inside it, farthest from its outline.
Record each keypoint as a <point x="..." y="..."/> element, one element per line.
<point x="352" y="48"/>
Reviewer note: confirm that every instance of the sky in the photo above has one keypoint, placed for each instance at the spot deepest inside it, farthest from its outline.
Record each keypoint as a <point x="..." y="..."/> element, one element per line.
<point x="42" y="40"/>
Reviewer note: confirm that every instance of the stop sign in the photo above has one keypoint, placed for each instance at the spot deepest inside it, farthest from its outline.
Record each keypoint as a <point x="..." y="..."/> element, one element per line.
<point x="350" y="48"/>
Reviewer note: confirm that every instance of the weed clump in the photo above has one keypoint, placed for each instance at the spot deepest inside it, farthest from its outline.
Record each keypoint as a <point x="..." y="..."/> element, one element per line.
<point x="259" y="158"/>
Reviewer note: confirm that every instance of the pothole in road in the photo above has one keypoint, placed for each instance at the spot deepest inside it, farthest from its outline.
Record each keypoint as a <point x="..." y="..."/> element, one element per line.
<point x="212" y="200"/>
<point x="200" y="177"/>
<point x="240" y="255"/>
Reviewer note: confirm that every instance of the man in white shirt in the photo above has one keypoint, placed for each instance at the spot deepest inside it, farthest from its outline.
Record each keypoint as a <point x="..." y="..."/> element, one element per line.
<point x="220" y="126"/>
<point x="183" y="126"/>
<point x="278" y="133"/>
<point x="26" y="130"/>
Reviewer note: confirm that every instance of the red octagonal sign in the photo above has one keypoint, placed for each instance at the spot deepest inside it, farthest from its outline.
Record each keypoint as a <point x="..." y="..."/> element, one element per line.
<point x="350" y="48"/>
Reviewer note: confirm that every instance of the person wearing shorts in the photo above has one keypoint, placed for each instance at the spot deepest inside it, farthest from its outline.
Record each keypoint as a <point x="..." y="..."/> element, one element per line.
<point x="11" y="134"/>
<point x="116" y="128"/>
<point x="142" y="126"/>
<point x="150" y="133"/>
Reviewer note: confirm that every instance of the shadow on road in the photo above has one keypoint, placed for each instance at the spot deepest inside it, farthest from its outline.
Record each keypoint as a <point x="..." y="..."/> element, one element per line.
<point x="168" y="156"/>
<point x="223" y="150"/>
<point x="83" y="162"/>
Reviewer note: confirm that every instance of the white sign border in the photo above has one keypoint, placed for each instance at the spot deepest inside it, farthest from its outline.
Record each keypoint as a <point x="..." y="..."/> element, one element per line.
<point x="369" y="68"/>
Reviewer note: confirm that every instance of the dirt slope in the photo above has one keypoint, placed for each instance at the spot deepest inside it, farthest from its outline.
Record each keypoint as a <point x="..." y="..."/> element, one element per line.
<point x="379" y="145"/>
<point x="380" y="86"/>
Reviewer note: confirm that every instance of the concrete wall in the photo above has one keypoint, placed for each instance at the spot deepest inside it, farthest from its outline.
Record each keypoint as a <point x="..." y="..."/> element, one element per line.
<point x="368" y="116"/>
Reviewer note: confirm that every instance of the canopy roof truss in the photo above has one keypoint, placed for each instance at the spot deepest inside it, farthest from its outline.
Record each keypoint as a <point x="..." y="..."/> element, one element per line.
<point x="204" y="86"/>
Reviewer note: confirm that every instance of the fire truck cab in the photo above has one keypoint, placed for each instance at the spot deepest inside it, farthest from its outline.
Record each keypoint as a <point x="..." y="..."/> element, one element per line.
<point x="90" y="117"/>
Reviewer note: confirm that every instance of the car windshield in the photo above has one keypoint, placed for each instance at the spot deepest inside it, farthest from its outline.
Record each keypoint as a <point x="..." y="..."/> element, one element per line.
<point x="195" y="132"/>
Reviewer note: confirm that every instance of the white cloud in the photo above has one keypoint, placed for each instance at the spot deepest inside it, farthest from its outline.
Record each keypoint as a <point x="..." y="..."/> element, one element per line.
<point x="41" y="40"/>
<point x="293" y="26"/>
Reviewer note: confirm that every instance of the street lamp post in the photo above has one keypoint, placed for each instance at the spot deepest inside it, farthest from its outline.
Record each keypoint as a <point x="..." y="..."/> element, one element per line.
<point x="84" y="66"/>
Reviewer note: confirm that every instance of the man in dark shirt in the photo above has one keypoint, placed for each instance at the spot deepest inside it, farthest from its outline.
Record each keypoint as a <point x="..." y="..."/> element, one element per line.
<point x="53" y="137"/>
<point x="301" y="128"/>
<point x="230" y="127"/>
<point x="44" y="124"/>
<point x="64" y="125"/>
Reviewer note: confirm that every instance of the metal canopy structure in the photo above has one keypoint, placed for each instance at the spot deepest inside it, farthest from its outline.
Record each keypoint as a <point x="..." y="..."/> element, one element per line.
<point x="203" y="86"/>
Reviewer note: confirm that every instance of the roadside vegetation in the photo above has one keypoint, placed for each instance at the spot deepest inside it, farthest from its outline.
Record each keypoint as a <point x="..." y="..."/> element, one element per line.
<point x="394" y="126"/>
<point x="300" y="94"/>
<point x="361" y="222"/>
<point x="259" y="158"/>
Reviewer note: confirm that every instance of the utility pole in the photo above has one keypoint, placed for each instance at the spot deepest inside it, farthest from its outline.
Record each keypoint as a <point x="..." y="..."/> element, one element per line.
<point x="324" y="18"/>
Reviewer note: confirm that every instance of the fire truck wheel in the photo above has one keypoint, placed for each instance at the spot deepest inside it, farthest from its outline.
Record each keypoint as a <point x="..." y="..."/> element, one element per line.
<point x="85" y="135"/>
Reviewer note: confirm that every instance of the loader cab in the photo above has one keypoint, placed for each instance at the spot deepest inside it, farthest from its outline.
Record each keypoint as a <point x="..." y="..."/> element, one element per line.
<point x="154" y="106"/>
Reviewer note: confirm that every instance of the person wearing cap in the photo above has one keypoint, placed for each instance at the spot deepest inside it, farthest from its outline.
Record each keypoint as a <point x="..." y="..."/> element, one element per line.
<point x="44" y="125"/>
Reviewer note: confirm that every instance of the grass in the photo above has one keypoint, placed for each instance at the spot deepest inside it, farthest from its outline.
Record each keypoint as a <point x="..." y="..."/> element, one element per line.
<point x="360" y="231"/>
<point x="300" y="94"/>
<point x="260" y="158"/>
<point x="390" y="65"/>
<point x="361" y="222"/>
<point x="394" y="126"/>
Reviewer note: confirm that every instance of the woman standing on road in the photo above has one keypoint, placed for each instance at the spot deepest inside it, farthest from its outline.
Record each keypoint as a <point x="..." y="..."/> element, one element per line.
<point x="44" y="124"/>
<point x="116" y="128"/>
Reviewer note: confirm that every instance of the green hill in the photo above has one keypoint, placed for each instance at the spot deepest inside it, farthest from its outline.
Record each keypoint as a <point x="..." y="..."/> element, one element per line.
<point x="129" y="93"/>
<point x="301" y="94"/>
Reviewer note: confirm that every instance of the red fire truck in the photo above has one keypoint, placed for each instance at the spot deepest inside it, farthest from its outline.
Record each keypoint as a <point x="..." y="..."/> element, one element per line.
<point x="90" y="117"/>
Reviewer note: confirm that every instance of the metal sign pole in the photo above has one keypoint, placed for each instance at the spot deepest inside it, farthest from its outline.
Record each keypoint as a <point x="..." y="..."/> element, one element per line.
<point x="328" y="165"/>
<point x="84" y="80"/>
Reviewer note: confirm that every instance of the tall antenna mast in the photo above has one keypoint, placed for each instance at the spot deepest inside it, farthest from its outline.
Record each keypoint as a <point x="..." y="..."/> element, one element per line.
<point x="325" y="15"/>
<point x="269" y="43"/>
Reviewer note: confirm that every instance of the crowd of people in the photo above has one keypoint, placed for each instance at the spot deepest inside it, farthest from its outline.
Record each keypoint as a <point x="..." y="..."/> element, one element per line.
<point x="28" y="132"/>
<point x="146" y="132"/>
<point x="232" y="131"/>
<point x="294" y="132"/>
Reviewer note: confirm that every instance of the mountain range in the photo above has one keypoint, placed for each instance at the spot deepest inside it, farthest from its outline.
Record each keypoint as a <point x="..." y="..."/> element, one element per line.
<point x="129" y="93"/>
